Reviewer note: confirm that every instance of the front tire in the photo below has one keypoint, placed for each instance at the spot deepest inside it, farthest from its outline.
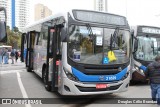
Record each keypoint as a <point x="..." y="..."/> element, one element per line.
<point x="45" y="78"/>
<point x="29" y="70"/>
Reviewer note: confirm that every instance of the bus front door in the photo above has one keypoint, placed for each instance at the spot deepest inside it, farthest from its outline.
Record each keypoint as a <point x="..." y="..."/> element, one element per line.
<point x="53" y="56"/>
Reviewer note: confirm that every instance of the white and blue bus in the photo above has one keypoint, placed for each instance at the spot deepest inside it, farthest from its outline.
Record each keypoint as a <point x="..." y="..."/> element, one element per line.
<point x="80" y="52"/>
<point x="3" y="20"/>
<point x="146" y="46"/>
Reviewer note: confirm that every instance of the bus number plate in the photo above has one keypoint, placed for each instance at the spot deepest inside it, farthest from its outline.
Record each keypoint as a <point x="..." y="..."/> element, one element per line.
<point x="100" y="86"/>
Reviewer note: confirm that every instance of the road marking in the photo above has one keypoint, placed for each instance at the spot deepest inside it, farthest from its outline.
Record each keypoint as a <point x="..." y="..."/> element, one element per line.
<point x="11" y="71"/>
<point x="24" y="94"/>
<point x="71" y="105"/>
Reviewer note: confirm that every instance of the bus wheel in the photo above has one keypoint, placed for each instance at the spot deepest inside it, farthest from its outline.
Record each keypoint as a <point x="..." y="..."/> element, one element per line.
<point x="29" y="70"/>
<point x="45" y="78"/>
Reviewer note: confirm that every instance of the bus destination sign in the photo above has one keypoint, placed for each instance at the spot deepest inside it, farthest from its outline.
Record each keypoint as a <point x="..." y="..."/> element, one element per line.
<point x="150" y="30"/>
<point x="98" y="17"/>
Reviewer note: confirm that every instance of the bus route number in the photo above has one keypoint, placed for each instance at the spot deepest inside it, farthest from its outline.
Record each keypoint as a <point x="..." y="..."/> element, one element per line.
<point x="111" y="78"/>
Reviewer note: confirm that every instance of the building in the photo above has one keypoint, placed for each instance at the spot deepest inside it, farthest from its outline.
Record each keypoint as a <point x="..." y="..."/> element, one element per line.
<point x="100" y="5"/>
<point x="17" y="13"/>
<point x="21" y="13"/>
<point x="41" y="12"/>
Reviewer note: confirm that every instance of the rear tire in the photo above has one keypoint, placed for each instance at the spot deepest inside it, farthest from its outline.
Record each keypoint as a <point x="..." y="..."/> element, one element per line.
<point x="45" y="78"/>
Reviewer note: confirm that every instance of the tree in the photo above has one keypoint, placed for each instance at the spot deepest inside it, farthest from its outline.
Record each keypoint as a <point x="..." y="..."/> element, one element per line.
<point x="15" y="29"/>
<point x="14" y="37"/>
<point x="8" y="28"/>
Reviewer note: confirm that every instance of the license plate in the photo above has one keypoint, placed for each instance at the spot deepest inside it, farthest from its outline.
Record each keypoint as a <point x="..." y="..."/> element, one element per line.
<point x="101" y="86"/>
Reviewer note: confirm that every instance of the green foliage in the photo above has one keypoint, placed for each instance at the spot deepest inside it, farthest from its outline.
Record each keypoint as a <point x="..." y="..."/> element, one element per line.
<point x="14" y="37"/>
<point x="15" y="29"/>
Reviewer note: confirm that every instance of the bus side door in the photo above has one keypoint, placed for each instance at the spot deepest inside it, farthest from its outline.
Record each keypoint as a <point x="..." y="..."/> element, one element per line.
<point x="30" y="50"/>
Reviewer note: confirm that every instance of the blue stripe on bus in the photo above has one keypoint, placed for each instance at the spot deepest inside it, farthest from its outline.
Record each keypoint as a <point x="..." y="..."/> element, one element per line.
<point x="143" y="67"/>
<point x="98" y="78"/>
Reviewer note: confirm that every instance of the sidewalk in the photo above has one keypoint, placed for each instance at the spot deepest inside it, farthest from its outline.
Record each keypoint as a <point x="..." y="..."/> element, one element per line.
<point x="15" y="63"/>
<point x="9" y="67"/>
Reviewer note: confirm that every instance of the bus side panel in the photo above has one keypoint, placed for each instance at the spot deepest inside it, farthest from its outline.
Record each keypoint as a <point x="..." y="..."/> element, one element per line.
<point x="40" y="55"/>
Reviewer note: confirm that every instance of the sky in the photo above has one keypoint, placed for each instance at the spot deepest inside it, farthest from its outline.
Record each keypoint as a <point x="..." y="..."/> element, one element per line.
<point x="138" y="12"/>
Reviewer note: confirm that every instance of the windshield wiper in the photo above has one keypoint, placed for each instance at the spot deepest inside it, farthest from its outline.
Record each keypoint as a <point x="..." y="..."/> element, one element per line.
<point x="91" y="35"/>
<point x="90" y="31"/>
<point x="113" y="38"/>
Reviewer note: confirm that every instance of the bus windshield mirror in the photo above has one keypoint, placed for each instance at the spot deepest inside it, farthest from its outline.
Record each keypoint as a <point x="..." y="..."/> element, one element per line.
<point x="90" y="31"/>
<point x="113" y="38"/>
<point x="115" y="34"/>
<point x="135" y="45"/>
<point x="92" y="36"/>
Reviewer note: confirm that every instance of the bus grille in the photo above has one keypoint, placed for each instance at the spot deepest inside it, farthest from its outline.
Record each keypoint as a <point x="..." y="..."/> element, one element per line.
<point x="93" y="89"/>
<point x="100" y="70"/>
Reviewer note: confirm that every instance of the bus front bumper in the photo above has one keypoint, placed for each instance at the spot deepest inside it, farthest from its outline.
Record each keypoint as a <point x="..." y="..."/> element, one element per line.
<point x="69" y="87"/>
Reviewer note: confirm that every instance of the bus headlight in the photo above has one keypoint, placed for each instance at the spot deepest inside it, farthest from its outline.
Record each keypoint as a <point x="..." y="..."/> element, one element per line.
<point x="70" y="75"/>
<point x="125" y="76"/>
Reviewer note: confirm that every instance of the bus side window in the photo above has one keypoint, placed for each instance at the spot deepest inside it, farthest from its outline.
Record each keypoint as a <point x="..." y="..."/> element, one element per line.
<point x="44" y="38"/>
<point x="28" y="39"/>
<point x="33" y="39"/>
<point x="39" y="39"/>
<point x="36" y="39"/>
<point x="25" y="39"/>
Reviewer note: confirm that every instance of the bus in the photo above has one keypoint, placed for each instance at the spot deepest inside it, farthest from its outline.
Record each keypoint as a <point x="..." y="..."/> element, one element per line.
<point x="8" y="47"/>
<point x="80" y="52"/>
<point x="3" y="19"/>
<point x="5" y="51"/>
<point x="146" y="47"/>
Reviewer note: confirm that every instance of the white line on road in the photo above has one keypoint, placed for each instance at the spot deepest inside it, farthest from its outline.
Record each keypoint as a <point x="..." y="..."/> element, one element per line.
<point x="12" y="71"/>
<point x="24" y="94"/>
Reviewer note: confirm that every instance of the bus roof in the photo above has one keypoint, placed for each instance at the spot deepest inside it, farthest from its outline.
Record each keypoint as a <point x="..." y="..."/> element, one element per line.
<point x="145" y="29"/>
<point x="46" y="19"/>
<point x="106" y="17"/>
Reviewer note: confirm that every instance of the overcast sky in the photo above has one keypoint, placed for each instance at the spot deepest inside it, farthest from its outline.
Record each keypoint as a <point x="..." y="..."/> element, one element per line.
<point x="144" y="12"/>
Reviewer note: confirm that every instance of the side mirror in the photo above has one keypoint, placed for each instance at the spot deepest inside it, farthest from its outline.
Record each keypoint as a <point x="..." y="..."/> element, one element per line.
<point x="135" y="45"/>
<point x="3" y="33"/>
<point x="134" y="42"/>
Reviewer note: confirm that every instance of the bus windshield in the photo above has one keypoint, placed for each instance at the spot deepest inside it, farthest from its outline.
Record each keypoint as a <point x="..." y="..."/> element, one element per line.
<point x="148" y="48"/>
<point x="91" y="46"/>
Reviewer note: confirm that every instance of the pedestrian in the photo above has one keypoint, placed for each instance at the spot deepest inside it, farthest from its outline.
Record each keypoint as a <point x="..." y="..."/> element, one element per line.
<point x="12" y="56"/>
<point x="25" y="55"/>
<point x="16" y="55"/>
<point x="153" y="73"/>
<point x="5" y="56"/>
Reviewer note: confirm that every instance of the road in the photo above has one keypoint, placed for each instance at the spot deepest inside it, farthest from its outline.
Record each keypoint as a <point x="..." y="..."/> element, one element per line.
<point x="16" y="82"/>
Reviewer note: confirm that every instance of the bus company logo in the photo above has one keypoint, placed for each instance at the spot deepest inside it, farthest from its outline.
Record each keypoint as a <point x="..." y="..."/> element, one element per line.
<point x="6" y="101"/>
<point x="101" y="78"/>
